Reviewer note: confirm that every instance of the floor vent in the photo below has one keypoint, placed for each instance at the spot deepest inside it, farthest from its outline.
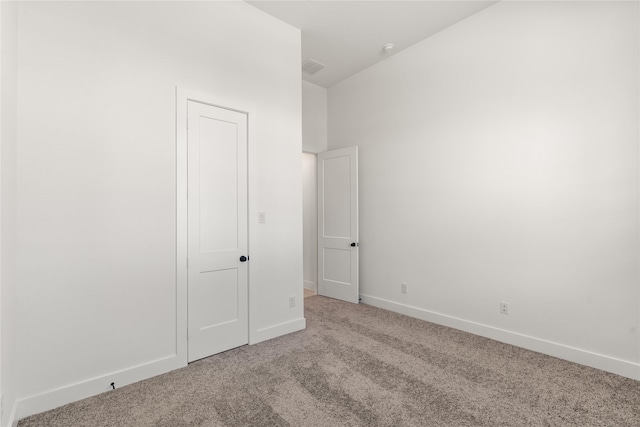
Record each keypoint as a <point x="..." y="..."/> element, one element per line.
<point x="311" y="66"/>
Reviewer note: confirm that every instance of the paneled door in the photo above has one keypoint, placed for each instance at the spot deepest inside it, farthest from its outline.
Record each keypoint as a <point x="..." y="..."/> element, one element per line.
<point x="338" y="245"/>
<point x="217" y="230"/>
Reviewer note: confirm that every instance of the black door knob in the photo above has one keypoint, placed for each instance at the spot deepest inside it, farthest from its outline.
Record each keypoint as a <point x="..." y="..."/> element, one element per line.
<point x="243" y="258"/>
<point x="353" y="244"/>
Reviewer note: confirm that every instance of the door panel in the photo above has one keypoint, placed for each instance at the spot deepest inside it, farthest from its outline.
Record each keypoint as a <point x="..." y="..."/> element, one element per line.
<point x="337" y="197"/>
<point x="218" y="185"/>
<point x="217" y="230"/>
<point x="338" y="246"/>
<point x="213" y="292"/>
<point x="337" y="265"/>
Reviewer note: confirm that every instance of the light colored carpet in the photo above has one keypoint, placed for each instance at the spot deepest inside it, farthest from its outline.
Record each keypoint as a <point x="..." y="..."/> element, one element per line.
<point x="357" y="365"/>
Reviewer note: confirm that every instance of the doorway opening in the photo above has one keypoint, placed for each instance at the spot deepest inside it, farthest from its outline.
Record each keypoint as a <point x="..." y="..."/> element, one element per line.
<point x="330" y="224"/>
<point x="310" y="223"/>
<point x="212" y="173"/>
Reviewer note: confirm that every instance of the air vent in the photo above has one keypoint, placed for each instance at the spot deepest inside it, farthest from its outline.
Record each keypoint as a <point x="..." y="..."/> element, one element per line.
<point x="311" y="67"/>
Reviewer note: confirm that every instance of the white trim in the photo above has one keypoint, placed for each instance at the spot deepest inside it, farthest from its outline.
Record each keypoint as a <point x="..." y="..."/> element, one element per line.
<point x="275" y="331"/>
<point x="182" y="97"/>
<point x="55" y="398"/>
<point x="599" y="361"/>
<point x="344" y="291"/>
<point x="13" y="420"/>
<point x="308" y="284"/>
<point x="61" y="396"/>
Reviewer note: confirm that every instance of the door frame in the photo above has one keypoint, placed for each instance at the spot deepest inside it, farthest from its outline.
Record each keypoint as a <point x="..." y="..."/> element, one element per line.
<point x="339" y="292"/>
<point x="183" y="96"/>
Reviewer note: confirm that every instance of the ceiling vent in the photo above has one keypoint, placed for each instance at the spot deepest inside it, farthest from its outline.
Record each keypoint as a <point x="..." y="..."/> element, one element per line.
<point x="311" y="67"/>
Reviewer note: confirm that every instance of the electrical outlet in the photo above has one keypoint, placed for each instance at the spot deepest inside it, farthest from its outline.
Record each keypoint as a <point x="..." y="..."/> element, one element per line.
<point x="262" y="217"/>
<point x="292" y="302"/>
<point x="403" y="288"/>
<point x="504" y="307"/>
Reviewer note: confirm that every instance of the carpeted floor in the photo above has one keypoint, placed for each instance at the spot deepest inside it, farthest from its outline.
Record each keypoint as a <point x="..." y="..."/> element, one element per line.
<point x="362" y="366"/>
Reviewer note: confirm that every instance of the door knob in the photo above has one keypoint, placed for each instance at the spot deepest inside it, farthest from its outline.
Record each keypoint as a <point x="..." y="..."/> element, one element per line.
<point x="243" y="258"/>
<point x="354" y="244"/>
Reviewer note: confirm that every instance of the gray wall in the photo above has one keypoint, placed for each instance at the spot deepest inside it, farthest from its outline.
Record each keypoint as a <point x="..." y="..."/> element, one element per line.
<point x="96" y="181"/>
<point x="499" y="162"/>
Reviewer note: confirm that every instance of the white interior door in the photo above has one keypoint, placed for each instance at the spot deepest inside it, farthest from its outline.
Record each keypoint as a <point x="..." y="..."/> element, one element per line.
<point x="217" y="230"/>
<point x="338" y="224"/>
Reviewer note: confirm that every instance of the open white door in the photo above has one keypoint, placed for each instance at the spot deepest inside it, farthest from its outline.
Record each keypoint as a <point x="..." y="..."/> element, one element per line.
<point x="217" y="230"/>
<point x="338" y="224"/>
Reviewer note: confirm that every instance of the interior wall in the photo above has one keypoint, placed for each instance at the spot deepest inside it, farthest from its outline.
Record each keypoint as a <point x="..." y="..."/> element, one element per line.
<point x="310" y="221"/>
<point x="314" y="118"/>
<point x="499" y="162"/>
<point x="8" y="236"/>
<point x="96" y="181"/>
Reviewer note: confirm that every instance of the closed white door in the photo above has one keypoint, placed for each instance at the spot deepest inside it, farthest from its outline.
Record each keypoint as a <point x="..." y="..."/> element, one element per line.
<point x="217" y="230"/>
<point x="338" y="245"/>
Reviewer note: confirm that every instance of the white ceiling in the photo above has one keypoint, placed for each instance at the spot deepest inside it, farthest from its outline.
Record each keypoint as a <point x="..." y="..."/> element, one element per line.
<point x="348" y="36"/>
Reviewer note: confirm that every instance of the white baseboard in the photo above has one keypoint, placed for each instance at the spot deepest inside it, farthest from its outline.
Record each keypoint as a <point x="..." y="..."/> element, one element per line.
<point x="275" y="331"/>
<point x="310" y="285"/>
<point x="61" y="396"/>
<point x="55" y="398"/>
<point x="561" y="351"/>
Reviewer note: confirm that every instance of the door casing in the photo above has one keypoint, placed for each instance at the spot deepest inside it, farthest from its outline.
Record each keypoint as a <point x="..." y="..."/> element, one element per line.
<point x="183" y="96"/>
<point x="338" y="231"/>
